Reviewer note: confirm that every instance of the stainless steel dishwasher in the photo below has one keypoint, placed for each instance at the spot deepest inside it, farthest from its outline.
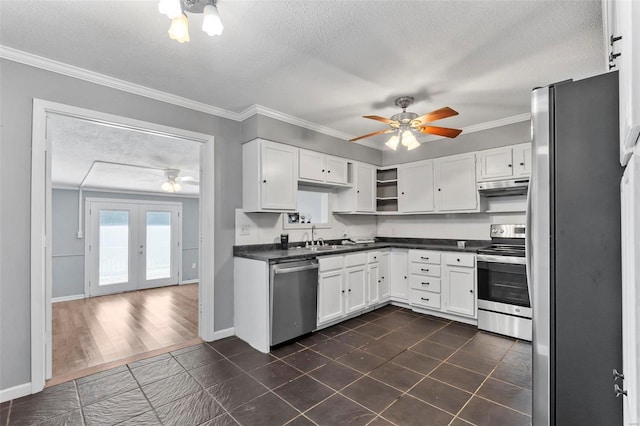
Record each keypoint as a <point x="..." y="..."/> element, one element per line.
<point x="294" y="296"/>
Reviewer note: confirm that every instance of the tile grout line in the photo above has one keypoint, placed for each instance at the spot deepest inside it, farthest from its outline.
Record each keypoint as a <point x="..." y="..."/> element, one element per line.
<point x="475" y="393"/>
<point x="75" y="386"/>
<point x="144" y="394"/>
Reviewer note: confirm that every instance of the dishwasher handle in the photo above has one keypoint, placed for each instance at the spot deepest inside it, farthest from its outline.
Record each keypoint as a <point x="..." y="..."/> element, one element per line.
<point x="283" y="269"/>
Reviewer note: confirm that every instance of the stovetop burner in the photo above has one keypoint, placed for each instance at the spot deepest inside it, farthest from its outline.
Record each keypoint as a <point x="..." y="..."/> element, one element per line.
<point x="503" y="250"/>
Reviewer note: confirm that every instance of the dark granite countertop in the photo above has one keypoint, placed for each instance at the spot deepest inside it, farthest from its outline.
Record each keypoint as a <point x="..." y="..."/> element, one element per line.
<point x="271" y="252"/>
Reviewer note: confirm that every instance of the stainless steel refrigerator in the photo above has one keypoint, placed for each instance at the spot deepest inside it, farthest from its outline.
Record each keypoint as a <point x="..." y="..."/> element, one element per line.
<point x="573" y="252"/>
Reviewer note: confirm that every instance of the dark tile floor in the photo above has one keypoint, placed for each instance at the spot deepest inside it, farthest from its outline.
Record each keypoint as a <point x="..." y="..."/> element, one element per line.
<point x="387" y="367"/>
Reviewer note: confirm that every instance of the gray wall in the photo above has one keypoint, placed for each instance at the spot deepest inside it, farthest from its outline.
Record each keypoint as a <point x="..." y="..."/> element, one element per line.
<point x="485" y="139"/>
<point x="19" y="84"/>
<point x="279" y="131"/>
<point x="68" y="250"/>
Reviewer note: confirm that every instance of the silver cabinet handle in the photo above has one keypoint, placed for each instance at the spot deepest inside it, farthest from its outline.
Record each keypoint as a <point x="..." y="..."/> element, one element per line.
<point x="424" y="299"/>
<point x="619" y="391"/>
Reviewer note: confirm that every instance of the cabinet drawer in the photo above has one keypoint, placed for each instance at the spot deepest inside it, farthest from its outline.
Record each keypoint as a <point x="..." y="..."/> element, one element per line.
<point x="374" y="256"/>
<point x="330" y="263"/>
<point x="422" y="256"/>
<point x="424" y="269"/>
<point x="355" y="259"/>
<point x="421" y="282"/>
<point x="461" y="259"/>
<point x="424" y="298"/>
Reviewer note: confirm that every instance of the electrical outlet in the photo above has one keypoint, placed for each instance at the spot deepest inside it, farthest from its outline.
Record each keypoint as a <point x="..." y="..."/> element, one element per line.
<point x="193" y="265"/>
<point x="245" y="229"/>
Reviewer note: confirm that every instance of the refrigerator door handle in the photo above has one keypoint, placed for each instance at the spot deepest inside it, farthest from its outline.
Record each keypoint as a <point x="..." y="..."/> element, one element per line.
<point x="528" y="248"/>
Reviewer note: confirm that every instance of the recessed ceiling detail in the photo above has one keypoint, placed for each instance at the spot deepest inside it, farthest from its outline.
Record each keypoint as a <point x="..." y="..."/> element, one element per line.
<point x="96" y="156"/>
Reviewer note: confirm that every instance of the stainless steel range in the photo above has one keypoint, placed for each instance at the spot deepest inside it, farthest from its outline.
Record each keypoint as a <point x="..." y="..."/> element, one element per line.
<point x="504" y="305"/>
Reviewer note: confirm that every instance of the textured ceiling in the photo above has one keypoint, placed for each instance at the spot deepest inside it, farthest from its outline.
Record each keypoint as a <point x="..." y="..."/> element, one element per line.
<point x="86" y="151"/>
<point x="328" y="62"/>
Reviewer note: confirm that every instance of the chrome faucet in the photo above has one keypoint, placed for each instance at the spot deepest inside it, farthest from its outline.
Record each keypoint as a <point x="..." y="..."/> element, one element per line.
<point x="313" y="235"/>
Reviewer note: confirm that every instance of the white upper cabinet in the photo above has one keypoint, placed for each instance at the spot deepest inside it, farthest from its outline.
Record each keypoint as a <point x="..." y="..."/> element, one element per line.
<point x="312" y="166"/>
<point x="522" y="160"/>
<point x="269" y="176"/>
<point x="337" y="170"/>
<point x="504" y="163"/>
<point x="622" y="31"/>
<point x="415" y="187"/>
<point x="365" y="194"/>
<point x="322" y="168"/>
<point x="496" y="163"/>
<point x="455" y="183"/>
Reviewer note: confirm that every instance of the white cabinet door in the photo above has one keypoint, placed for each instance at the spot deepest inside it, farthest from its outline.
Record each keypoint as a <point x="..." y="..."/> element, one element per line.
<point x="373" y="276"/>
<point x="337" y="170"/>
<point x="330" y="296"/>
<point x="522" y="160"/>
<point x="385" y="279"/>
<point x="496" y="163"/>
<point x="365" y="188"/>
<point x="279" y="176"/>
<point x="455" y="179"/>
<point x="312" y="166"/>
<point x="398" y="272"/>
<point x="356" y="286"/>
<point x="415" y="187"/>
<point x="460" y="290"/>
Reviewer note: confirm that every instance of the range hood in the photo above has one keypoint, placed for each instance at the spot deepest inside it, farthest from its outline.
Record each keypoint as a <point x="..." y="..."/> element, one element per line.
<point x="501" y="188"/>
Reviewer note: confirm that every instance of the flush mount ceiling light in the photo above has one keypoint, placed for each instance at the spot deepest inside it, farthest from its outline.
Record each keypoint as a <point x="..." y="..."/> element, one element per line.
<point x="176" y="11"/>
<point x="405" y="125"/>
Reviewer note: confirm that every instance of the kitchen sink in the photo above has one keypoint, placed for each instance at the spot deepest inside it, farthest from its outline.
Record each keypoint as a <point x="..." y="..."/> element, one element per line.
<point x="322" y="248"/>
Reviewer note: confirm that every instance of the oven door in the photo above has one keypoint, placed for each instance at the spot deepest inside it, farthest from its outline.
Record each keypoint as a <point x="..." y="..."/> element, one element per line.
<point x="503" y="283"/>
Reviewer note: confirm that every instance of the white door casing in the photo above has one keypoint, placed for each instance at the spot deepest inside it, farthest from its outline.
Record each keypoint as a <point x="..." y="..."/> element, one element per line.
<point x="40" y="281"/>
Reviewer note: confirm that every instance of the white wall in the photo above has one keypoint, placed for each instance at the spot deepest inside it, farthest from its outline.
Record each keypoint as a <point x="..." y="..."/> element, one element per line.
<point x="265" y="228"/>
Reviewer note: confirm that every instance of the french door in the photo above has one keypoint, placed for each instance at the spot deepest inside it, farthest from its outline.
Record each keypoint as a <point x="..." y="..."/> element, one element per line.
<point x="131" y="245"/>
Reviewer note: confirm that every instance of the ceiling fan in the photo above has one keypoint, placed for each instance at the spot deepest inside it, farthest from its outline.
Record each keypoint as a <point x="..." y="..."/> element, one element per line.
<point x="405" y="124"/>
<point x="173" y="181"/>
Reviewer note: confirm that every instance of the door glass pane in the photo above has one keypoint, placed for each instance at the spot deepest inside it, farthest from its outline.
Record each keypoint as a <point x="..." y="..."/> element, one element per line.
<point x="113" y="240"/>
<point x="158" y="245"/>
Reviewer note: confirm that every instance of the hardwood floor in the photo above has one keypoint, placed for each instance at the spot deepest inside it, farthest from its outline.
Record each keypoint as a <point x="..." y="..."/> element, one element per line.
<point x="100" y="330"/>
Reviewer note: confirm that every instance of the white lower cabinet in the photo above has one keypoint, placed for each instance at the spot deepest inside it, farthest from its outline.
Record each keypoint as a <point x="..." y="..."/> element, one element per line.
<point x="373" y="278"/>
<point x="385" y="278"/>
<point x="399" y="285"/>
<point x="356" y="287"/>
<point x="330" y="289"/>
<point x="443" y="281"/>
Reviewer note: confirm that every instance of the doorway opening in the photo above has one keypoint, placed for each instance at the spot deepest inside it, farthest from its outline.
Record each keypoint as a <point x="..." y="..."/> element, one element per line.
<point x="138" y="270"/>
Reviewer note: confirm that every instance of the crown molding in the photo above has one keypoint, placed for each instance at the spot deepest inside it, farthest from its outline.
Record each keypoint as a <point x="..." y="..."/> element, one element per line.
<point x="272" y="113"/>
<point x="114" y="83"/>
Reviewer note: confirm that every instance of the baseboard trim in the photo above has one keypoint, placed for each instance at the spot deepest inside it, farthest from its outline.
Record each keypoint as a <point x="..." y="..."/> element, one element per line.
<point x="193" y="281"/>
<point x="67" y="298"/>
<point x="221" y="334"/>
<point x="15" y="392"/>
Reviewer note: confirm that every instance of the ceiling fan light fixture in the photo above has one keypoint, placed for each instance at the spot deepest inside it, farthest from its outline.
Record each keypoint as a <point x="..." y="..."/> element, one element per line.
<point x="171" y="8"/>
<point x="179" y="29"/>
<point x="393" y="142"/>
<point x="211" y="23"/>
<point x="171" y="186"/>
<point x="408" y="139"/>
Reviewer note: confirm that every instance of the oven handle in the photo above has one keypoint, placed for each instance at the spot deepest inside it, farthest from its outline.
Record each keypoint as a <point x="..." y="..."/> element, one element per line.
<point x="511" y="260"/>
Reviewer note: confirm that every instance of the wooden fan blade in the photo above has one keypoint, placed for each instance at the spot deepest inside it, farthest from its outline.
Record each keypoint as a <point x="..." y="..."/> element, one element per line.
<point x="440" y="131"/>
<point x="378" y="118"/>
<point x="379" y="132"/>
<point x="438" y="114"/>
